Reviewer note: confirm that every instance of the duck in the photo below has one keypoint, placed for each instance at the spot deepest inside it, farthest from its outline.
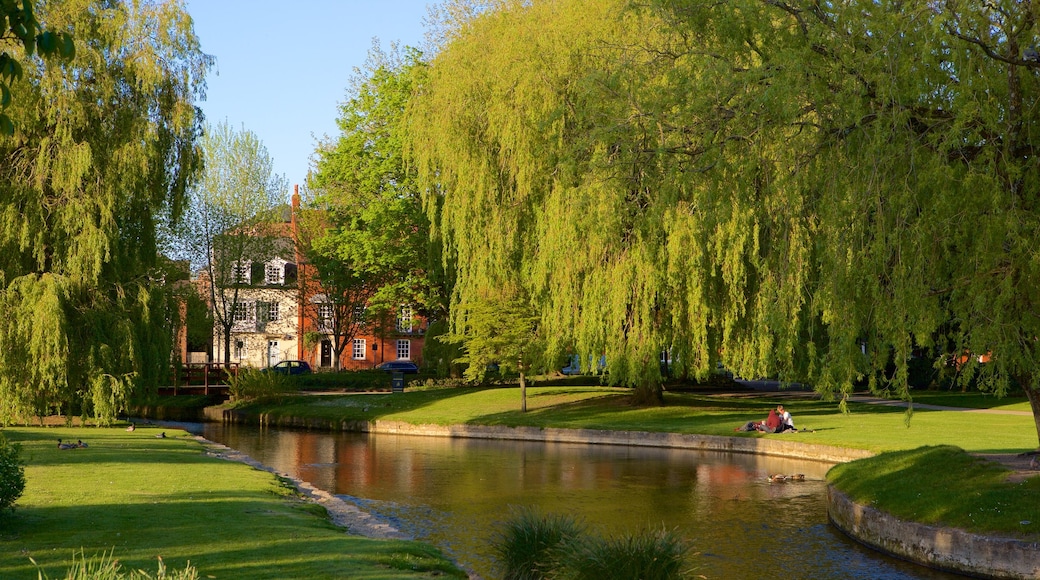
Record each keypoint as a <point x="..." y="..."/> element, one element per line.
<point x="161" y="435"/>
<point x="777" y="478"/>
<point x="131" y="427"/>
<point x="65" y="445"/>
<point x="81" y="444"/>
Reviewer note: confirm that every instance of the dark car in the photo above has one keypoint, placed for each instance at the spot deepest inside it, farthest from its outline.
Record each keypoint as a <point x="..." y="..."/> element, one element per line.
<point x="291" y="367"/>
<point x="398" y="366"/>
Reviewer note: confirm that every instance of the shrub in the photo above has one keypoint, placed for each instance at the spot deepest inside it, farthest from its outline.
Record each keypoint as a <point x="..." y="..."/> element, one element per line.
<point x="529" y="546"/>
<point x="103" y="567"/>
<point x="650" y="555"/>
<point x="12" y="473"/>
<point x="252" y="383"/>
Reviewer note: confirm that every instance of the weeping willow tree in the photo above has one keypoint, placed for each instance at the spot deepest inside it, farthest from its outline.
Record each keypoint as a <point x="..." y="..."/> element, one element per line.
<point x="810" y="191"/>
<point x="103" y="150"/>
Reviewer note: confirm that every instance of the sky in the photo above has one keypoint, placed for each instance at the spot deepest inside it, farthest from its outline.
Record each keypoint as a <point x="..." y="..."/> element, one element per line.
<point x="282" y="68"/>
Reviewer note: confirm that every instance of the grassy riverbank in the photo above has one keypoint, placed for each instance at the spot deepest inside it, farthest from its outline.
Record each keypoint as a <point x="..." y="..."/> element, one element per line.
<point x="143" y="497"/>
<point x="872" y="427"/>
<point x="923" y="474"/>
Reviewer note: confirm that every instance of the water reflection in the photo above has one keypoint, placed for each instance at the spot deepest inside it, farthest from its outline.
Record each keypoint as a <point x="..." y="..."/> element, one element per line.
<point x="452" y="492"/>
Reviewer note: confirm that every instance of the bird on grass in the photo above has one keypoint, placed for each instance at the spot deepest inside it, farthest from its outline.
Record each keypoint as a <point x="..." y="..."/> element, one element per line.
<point x="161" y="435"/>
<point x="81" y="444"/>
<point x="66" y="445"/>
<point x="131" y="427"/>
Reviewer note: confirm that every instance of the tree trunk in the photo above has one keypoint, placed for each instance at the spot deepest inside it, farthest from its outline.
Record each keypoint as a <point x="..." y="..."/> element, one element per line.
<point x="523" y="389"/>
<point x="227" y="345"/>
<point x="1034" y="404"/>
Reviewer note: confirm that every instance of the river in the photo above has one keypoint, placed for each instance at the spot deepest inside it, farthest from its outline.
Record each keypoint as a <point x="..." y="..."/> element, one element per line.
<point x="453" y="493"/>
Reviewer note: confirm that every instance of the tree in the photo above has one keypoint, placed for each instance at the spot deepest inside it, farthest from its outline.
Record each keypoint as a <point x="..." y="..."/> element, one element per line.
<point x="505" y="139"/>
<point x="103" y="148"/>
<point x="782" y="184"/>
<point x="18" y="23"/>
<point x="500" y="328"/>
<point x="231" y="222"/>
<point x="335" y="294"/>
<point x="376" y="227"/>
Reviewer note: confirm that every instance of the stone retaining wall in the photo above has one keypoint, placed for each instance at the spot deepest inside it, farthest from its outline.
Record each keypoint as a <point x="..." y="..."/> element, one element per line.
<point x="942" y="548"/>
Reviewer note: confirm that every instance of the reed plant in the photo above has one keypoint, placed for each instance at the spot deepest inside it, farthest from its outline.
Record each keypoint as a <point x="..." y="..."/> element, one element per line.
<point x="105" y="567"/>
<point x="257" y="384"/>
<point x="530" y="546"/>
<point x="533" y="546"/>
<point x="647" y="555"/>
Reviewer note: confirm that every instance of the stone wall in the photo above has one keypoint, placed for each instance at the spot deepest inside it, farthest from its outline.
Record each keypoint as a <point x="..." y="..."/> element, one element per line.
<point x="942" y="548"/>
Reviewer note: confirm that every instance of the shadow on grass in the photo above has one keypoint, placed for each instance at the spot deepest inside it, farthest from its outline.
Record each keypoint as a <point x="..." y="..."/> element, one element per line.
<point x="359" y="407"/>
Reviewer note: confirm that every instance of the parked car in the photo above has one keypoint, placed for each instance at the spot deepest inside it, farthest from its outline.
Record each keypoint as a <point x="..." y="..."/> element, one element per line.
<point x="574" y="366"/>
<point x="398" y="366"/>
<point x="291" y="367"/>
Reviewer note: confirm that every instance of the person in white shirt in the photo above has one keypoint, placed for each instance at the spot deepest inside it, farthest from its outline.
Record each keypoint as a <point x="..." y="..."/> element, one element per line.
<point x="786" y="422"/>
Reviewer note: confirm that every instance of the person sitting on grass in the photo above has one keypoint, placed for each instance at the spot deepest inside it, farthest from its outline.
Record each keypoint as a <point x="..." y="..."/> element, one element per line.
<point x="786" y="422"/>
<point x="770" y="425"/>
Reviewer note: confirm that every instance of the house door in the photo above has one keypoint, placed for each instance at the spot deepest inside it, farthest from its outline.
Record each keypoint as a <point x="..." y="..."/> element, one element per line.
<point x="274" y="355"/>
<point x="326" y="353"/>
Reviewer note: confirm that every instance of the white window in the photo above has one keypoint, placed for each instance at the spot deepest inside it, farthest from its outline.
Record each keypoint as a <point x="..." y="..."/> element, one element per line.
<point x="243" y="312"/>
<point x="267" y="312"/>
<point x="404" y="319"/>
<point x="273" y="274"/>
<point x="325" y="316"/>
<point x="404" y="349"/>
<point x="359" y="349"/>
<point x="242" y="271"/>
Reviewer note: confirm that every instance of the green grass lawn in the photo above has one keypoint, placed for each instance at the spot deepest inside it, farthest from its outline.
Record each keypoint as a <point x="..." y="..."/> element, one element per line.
<point x="142" y="497"/>
<point x="872" y="427"/>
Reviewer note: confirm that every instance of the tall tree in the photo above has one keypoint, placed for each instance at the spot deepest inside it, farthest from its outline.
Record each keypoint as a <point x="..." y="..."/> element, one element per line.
<point x="232" y="222"/>
<point x="18" y="23"/>
<point x="104" y="147"/>
<point x="376" y="226"/>
<point x="333" y="292"/>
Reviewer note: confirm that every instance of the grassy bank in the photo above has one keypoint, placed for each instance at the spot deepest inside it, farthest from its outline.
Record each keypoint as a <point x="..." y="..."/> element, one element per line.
<point x="143" y="497"/>
<point x="872" y="427"/>
<point x="943" y="486"/>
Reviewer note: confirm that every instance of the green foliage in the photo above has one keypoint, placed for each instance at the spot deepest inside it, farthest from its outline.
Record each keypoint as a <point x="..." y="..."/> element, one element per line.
<point x="12" y="473"/>
<point x="498" y="328"/>
<point x="106" y="567"/>
<point x="438" y="354"/>
<point x="18" y="23"/>
<point x="231" y="220"/>
<point x="104" y="149"/>
<point x="648" y="555"/>
<point x="374" y="225"/>
<point x="791" y="201"/>
<point x="949" y="488"/>
<point x="250" y="383"/>
<point x="531" y="546"/>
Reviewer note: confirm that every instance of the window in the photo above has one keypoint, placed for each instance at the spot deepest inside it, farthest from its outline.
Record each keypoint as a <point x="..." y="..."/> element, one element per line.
<point x="243" y="312"/>
<point x="267" y="312"/>
<point x="404" y="349"/>
<point x="272" y="274"/>
<point x="325" y="317"/>
<point x="242" y="270"/>
<point x="359" y="349"/>
<point x="404" y="319"/>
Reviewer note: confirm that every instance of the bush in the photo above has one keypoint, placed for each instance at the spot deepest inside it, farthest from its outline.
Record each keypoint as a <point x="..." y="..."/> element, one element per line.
<point x="650" y="555"/>
<point x="12" y="473"/>
<point x="103" y="567"/>
<point x="252" y="383"/>
<point x="529" y="546"/>
<point x="534" y="547"/>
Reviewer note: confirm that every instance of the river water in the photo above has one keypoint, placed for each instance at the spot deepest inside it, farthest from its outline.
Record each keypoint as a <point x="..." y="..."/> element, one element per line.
<point x="453" y="493"/>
